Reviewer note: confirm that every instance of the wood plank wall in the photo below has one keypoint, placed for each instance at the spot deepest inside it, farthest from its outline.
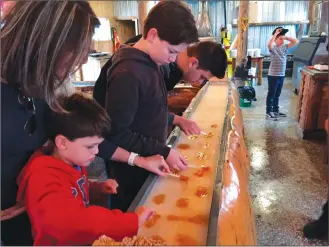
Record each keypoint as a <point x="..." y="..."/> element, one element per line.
<point x="104" y="9"/>
<point x="125" y="29"/>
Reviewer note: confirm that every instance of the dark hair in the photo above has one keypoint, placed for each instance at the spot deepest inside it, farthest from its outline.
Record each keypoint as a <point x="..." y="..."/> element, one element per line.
<point x="133" y="40"/>
<point x="174" y="22"/>
<point x="282" y="33"/>
<point x="211" y="56"/>
<point x="35" y="37"/>
<point x="83" y="117"/>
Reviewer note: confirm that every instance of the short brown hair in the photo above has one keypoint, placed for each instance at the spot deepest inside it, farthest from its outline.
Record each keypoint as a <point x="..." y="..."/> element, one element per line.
<point x="34" y="40"/>
<point x="83" y="117"/>
<point x="211" y="56"/>
<point x="174" y="22"/>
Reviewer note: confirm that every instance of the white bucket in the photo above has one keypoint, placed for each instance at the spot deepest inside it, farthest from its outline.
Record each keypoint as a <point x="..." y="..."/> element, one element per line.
<point x="257" y="52"/>
<point x="250" y="52"/>
<point x="234" y="53"/>
<point x="207" y="39"/>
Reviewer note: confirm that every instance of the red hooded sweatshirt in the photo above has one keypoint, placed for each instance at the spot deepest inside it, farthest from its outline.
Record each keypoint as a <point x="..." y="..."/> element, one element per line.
<point x="57" y="196"/>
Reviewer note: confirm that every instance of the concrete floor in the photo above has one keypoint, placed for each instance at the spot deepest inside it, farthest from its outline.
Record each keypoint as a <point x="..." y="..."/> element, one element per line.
<point x="288" y="180"/>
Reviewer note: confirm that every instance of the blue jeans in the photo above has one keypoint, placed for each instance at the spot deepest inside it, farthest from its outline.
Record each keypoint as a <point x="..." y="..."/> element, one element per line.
<point x="275" y="84"/>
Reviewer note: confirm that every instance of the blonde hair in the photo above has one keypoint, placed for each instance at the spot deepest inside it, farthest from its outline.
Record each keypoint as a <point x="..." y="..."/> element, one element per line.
<point x="41" y="37"/>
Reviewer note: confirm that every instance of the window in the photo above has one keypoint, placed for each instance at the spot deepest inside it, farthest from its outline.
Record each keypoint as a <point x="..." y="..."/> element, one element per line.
<point x="103" y="32"/>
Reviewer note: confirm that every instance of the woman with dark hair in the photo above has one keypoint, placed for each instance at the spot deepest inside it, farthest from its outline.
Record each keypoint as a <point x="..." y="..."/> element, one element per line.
<point x="42" y="43"/>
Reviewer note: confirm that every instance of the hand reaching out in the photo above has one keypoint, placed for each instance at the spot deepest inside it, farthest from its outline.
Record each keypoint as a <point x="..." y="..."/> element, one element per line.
<point x="13" y="211"/>
<point x="155" y="164"/>
<point x="189" y="127"/>
<point x="176" y="161"/>
<point x="277" y="32"/>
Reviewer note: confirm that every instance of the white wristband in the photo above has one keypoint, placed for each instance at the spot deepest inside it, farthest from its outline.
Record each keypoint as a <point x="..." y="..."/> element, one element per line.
<point x="131" y="158"/>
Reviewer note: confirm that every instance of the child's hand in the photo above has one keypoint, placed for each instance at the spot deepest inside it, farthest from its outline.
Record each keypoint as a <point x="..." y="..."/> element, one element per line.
<point x="277" y="32"/>
<point x="110" y="186"/>
<point x="144" y="214"/>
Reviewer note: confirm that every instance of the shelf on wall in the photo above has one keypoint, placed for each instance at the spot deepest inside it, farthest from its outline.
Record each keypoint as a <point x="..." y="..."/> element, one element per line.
<point x="275" y="23"/>
<point x="126" y="18"/>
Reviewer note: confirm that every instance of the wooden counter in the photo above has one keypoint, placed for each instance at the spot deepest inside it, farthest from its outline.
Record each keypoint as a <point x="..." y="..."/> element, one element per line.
<point x="225" y="215"/>
<point x="312" y="104"/>
<point x="236" y="222"/>
<point x="228" y="208"/>
<point x="181" y="96"/>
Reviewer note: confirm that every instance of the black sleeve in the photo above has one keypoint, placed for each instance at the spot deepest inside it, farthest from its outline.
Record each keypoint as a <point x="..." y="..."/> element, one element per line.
<point x="106" y="149"/>
<point x="121" y="105"/>
<point x="101" y="84"/>
<point x="172" y="75"/>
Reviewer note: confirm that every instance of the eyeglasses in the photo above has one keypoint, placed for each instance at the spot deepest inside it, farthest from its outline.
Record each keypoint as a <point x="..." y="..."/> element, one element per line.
<point x="31" y="123"/>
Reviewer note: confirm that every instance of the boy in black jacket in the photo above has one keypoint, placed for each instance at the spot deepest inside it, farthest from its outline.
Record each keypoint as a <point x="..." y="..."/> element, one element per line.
<point x="136" y="95"/>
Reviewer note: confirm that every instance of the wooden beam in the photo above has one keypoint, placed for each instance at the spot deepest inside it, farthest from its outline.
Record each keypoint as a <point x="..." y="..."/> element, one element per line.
<point x="142" y="14"/>
<point x="243" y="20"/>
<point x="275" y="23"/>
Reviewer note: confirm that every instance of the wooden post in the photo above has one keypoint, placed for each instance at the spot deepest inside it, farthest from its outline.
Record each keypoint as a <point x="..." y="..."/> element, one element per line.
<point x="260" y="71"/>
<point x="142" y="14"/>
<point x="242" y="31"/>
<point x="310" y="14"/>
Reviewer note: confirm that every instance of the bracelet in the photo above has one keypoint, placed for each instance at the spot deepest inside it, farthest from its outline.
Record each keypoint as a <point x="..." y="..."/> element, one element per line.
<point x="131" y="158"/>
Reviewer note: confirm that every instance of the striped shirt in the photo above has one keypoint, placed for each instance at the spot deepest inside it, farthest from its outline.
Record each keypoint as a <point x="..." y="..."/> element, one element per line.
<point x="278" y="60"/>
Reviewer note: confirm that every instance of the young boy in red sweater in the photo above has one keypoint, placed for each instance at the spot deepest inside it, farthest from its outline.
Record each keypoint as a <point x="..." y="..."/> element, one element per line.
<point x="55" y="186"/>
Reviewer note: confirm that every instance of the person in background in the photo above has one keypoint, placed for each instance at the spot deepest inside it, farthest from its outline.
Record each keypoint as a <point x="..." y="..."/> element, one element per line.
<point x="196" y="64"/>
<point x="277" y="70"/>
<point x="135" y="95"/>
<point x="318" y="229"/>
<point x="38" y="53"/>
<point x="54" y="184"/>
<point x="132" y="41"/>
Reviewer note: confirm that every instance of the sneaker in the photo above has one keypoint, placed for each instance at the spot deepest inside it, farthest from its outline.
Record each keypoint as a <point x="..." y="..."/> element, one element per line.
<point x="272" y="116"/>
<point x="280" y="114"/>
<point x="317" y="229"/>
